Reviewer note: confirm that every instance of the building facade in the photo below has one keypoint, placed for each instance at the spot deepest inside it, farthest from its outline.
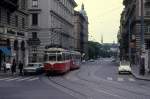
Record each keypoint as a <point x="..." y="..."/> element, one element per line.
<point x="13" y="31"/>
<point x="81" y="31"/>
<point x="130" y="29"/>
<point x="50" y="23"/>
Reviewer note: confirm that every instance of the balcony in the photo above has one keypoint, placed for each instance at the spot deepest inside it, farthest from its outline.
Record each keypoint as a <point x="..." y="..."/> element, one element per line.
<point x="12" y="5"/>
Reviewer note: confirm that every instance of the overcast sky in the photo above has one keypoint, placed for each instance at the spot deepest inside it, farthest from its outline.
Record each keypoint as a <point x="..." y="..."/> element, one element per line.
<point x="104" y="18"/>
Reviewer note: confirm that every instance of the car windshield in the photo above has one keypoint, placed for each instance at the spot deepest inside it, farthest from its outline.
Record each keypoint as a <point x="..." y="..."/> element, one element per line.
<point x="33" y="65"/>
<point x="125" y="63"/>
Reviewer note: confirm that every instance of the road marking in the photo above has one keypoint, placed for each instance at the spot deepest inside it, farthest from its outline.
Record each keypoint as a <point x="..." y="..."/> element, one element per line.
<point x="109" y="78"/>
<point x="131" y="79"/>
<point x="13" y="79"/>
<point x="120" y="79"/>
<point x="108" y="93"/>
<point x="6" y="78"/>
<point x="24" y="78"/>
<point x="33" y="79"/>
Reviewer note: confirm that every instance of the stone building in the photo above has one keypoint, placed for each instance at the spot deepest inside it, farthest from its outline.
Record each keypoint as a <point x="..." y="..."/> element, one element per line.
<point x="130" y="29"/>
<point x="50" y="23"/>
<point x="81" y="31"/>
<point x="13" y="25"/>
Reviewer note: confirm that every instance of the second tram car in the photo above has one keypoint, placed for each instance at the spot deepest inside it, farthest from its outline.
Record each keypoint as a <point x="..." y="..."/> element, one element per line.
<point x="59" y="60"/>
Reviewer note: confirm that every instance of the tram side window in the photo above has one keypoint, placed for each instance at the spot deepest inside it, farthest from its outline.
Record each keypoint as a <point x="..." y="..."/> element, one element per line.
<point x="63" y="56"/>
<point x="67" y="56"/>
<point x="59" y="57"/>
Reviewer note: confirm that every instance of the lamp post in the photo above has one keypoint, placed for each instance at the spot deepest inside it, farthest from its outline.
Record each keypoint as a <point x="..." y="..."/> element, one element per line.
<point x="142" y="49"/>
<point x="129" y="28"/>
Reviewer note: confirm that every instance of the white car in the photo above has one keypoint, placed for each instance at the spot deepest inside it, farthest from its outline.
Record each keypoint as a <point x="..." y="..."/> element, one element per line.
<point x="33" y="68"/>
<point x="124" y="68"/>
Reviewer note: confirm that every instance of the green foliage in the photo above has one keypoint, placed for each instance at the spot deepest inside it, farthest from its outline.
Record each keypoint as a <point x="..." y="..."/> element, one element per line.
<point x="96" y="50"/>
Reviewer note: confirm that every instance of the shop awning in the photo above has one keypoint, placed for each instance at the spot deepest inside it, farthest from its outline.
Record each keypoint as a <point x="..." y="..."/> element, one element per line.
<point x="6" y="51"/>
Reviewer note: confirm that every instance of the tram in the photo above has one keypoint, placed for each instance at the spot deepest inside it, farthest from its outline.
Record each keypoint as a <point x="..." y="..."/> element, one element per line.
<point x="75" y="60"/>
<point x="59" y="60"/>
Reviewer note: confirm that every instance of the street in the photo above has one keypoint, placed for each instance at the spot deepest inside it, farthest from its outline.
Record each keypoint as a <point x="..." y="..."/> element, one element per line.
<point x="94" y="80"/>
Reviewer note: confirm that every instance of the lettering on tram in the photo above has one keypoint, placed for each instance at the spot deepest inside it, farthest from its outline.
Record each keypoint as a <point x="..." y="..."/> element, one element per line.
<point x="59" y="60"/>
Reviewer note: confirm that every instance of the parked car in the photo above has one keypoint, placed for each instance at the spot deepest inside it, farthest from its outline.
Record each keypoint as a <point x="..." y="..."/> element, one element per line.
<point x="124" y="68"/>
<point x="91" y="60"/>
<point x="33" y="68"/>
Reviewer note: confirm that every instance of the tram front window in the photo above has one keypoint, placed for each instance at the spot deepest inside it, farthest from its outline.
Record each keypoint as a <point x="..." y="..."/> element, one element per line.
<point x="52" y="57"/>
<point x="59" y="57"/>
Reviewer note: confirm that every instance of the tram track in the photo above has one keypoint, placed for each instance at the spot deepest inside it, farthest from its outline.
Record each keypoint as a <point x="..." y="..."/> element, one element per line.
<point x="75" y="92"/>
<point x="77" y="74"/>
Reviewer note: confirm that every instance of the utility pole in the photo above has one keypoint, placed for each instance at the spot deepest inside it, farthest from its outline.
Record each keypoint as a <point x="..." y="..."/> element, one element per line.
<point x="129" y="37"/>
<point x="142" y="49"/>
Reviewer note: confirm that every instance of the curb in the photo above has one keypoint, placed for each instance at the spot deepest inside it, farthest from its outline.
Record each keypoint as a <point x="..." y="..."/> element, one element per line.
<point x="139" y="78"/>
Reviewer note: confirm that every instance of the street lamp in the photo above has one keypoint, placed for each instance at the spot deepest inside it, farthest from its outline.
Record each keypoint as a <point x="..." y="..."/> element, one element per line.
<point x="142" y="49"/>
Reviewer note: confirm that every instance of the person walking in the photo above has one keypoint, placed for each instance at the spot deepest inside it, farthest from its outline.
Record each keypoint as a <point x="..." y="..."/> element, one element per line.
<point x="13" y="67"/>
<point x="4" y="66"/>
<point x="20" y="68"/>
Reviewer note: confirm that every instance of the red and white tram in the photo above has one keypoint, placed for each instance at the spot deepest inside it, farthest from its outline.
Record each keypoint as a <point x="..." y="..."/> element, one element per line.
<point x="58" y="60"/>
<point x="75" y="59"/>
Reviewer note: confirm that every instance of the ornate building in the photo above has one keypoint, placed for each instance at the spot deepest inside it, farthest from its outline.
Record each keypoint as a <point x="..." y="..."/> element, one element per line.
<point x="13" y="22"/>
<point x="81" y="31"/>
<point x="50" y="23"/>
<point x="130" y="29"/>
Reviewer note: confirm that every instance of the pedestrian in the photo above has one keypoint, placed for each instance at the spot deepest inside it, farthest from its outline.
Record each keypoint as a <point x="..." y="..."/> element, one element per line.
<point x="13" y="67"/>
<point x="4" y="66"/>
<point x="20" y="68"/>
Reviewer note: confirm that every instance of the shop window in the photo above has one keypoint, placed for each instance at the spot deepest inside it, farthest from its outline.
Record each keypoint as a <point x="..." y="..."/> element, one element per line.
<point x="16" y="45"/>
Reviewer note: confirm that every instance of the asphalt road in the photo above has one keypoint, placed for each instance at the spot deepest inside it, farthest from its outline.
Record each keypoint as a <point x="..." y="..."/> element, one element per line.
<point x="94" y="80"/>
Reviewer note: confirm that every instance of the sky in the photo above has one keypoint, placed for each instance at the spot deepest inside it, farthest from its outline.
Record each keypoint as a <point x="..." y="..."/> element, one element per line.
<point x="104" y="18"/>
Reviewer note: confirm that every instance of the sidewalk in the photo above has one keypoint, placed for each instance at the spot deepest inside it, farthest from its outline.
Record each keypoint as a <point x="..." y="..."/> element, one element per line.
<point x="8" y="73"/>
<point x="135" y="73"/>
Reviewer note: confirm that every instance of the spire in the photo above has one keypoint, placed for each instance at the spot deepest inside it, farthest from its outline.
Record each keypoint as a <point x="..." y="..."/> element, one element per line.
<point x="101" y="39"/>
<point x="82" y="7"/>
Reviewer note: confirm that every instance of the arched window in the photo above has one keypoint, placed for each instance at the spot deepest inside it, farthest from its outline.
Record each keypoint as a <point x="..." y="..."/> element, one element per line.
<point x="16" y="45"/>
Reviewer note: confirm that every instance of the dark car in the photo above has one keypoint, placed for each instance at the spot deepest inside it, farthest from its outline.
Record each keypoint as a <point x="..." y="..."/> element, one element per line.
<point x="33" y="68"/>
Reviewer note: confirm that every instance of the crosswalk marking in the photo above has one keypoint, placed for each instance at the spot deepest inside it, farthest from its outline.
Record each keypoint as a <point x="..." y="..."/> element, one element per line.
<point x="19" y="79"/>
<point x="131" y="79"/>
<point x="109" y="78"/>
<point x="33" y="79"/>
<point x="120" y="79"/>
<point x="27" y="78"/>
<point x="12" y="79"/>
<point x="6" y="78"/>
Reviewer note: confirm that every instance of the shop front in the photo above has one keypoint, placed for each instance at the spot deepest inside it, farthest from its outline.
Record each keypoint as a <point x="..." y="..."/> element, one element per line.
<point x="5" y="51"/>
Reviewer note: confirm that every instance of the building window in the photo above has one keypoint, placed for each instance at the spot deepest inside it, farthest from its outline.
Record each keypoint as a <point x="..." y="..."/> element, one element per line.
<point x="0" y="15"/>
<point x="8" y="18"/>
<point x="34" y="19"/>
<point x="34" y="34"/>
<point x="16" y="21"/>
<point x="34" y="3"/>
<point x="23" y="23"/>
<point x="23" y="4"/>
<point x="148" y="29"/>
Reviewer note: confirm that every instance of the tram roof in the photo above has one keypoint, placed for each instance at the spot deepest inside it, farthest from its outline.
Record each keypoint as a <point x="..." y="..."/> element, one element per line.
<point x="56" y="49"/>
